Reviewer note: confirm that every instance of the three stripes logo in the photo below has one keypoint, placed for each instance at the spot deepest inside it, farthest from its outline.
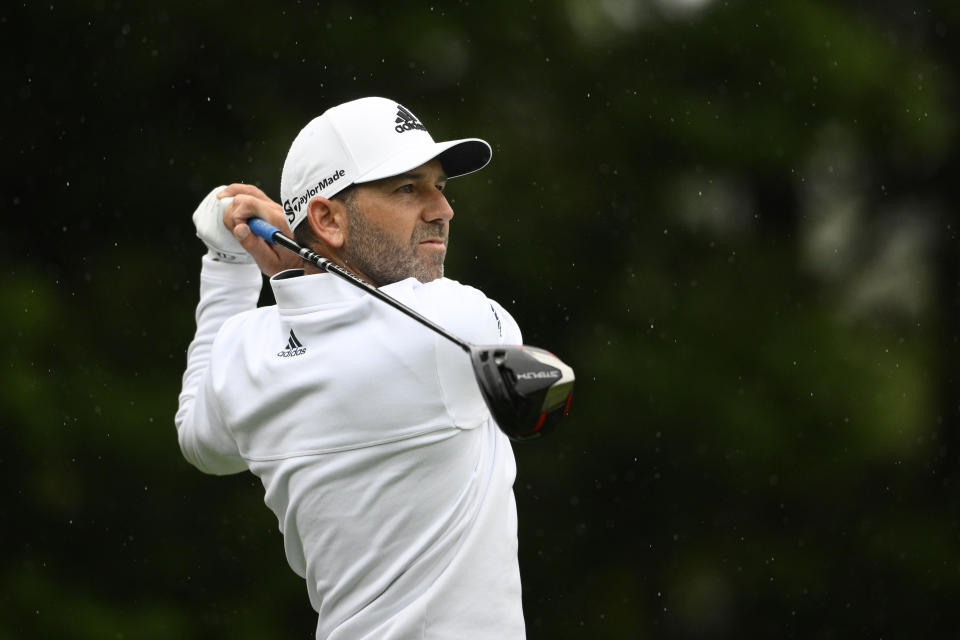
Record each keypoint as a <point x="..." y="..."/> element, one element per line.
<point x="497" y="316"/>
<point x="406" y="121"/>
<point x="294" y="347"/>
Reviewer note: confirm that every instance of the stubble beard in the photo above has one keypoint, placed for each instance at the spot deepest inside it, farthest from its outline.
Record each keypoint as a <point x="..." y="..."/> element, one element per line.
<point x="385" y="259"/>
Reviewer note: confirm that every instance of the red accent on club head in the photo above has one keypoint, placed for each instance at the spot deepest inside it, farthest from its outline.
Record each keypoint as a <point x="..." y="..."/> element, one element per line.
<point x="543" y="416"/>
<point x="566" y="409"/>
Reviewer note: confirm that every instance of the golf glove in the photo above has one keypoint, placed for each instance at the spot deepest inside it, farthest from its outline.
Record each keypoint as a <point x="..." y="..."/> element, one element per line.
<point x="208" y="219"/>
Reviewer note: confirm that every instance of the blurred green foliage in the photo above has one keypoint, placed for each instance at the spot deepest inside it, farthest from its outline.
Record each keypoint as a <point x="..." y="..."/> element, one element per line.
<point x="735" y="219"/>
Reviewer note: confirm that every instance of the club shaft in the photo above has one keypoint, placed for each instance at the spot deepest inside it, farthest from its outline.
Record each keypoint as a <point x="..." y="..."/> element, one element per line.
<point x="264" y="229"/>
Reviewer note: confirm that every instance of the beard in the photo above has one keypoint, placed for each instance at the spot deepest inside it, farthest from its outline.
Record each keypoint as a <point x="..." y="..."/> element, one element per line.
<point x="386" y="259"/>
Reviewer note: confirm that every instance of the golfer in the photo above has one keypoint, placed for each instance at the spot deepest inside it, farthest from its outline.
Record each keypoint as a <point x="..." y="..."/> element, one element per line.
<point x="391" y="483"/>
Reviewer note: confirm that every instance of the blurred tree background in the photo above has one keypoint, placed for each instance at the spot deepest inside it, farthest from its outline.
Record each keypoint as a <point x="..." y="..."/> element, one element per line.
<point x="735" y="219"/>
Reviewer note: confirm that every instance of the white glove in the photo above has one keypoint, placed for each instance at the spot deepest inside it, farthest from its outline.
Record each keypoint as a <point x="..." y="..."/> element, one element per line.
<point x="208" y="219"/>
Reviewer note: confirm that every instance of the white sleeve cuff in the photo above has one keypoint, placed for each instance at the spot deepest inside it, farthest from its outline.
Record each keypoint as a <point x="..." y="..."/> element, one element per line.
<point x="239" y="273"/>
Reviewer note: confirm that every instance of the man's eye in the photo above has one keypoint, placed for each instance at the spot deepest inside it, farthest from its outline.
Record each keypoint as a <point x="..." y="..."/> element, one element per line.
<point x="441" y="187"/>
<point x="407" y="188"/>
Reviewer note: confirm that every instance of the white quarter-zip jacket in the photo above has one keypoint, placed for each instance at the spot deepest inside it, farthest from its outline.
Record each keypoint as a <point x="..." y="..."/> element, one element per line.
<point x="391" y="483"/>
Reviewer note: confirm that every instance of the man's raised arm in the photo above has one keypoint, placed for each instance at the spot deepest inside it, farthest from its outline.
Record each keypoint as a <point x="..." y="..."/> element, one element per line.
<point x="229" y="284"/>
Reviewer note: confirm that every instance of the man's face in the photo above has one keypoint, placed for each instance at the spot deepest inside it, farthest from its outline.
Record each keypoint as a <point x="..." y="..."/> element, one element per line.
<point x="398" y="227"/>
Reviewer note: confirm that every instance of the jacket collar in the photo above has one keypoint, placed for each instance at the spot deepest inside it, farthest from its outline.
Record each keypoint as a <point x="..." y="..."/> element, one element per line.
<point x="296" y="292"/>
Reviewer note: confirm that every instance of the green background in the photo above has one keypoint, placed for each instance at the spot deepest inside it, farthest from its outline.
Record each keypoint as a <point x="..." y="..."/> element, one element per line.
<point x="736" y="220"/>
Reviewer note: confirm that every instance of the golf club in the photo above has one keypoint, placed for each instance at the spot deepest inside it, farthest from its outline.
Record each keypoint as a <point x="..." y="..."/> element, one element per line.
<point x="528" y="390"/>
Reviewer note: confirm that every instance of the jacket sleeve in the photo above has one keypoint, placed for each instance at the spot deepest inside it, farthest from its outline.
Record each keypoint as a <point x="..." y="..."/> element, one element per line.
<point x="472" y="316"/>
<point x="206" y="442"/>
<point x="508" y="329"/>
<point x="468" y="313"/>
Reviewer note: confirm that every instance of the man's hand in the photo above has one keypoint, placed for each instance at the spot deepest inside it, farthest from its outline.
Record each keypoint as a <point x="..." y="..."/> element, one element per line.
<point x="246" y="201"/>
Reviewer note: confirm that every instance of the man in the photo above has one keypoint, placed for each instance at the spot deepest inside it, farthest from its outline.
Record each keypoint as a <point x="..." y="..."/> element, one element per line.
<point x="391" y="483"/>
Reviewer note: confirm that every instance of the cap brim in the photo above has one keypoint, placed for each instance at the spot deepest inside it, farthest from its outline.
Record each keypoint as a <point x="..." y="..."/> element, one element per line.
<point x="458" y="157"/>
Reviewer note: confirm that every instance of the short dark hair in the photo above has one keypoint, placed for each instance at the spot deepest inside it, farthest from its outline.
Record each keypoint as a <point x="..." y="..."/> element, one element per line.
<point x="304" y="234"/>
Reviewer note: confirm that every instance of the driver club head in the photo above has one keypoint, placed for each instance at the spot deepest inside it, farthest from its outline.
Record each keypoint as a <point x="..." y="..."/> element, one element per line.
<point x="527" y="389"/>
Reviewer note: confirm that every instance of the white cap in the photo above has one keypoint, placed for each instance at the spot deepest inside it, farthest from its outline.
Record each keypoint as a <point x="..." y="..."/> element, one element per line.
<point x="361" y="141"/>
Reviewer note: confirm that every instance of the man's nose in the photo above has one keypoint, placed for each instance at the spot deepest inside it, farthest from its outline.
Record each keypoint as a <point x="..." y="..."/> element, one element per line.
<point x="438" y="208"/>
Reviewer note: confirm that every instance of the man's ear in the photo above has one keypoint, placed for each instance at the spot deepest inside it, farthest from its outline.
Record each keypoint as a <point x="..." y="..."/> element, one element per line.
<point x="328" y="220"/>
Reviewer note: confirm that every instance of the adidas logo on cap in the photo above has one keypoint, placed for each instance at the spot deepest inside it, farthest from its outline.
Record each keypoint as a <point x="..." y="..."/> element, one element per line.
<point x="406" y="120"/>
<point x="294" y="347"/>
